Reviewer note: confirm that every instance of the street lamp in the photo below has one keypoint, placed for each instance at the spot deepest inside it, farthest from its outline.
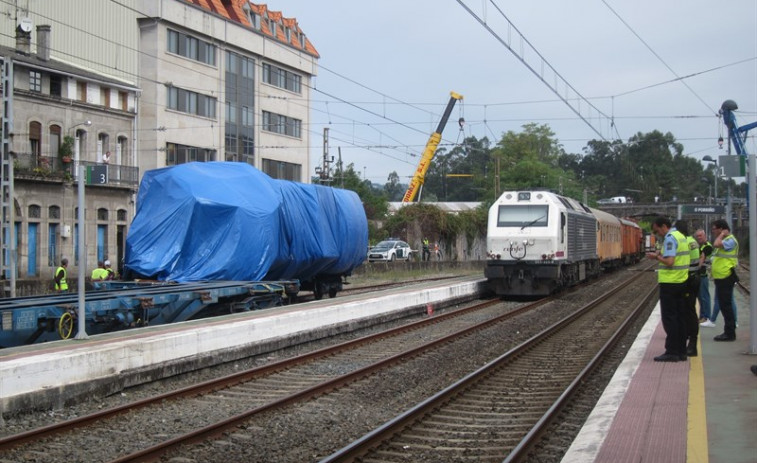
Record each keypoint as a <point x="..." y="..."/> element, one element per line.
<point x="87" y="123"/>
<point x="707" y="158"/>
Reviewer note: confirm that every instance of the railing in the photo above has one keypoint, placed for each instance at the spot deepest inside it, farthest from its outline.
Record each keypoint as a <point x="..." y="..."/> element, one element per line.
<point x="27" y="165"/>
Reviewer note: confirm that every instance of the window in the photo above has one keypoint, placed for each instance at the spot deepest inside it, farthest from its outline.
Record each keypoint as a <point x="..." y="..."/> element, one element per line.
<point x="103" y="146"/>
<point x="181" y="154"/>
<point x="105" y="97"/>
<point x="81" y="91"/>
<point x="277" y="123"/>
<point x="35" y="139"/>
<point x="53" y="212"/>
<point x="282" y="170"/>
<point x="123" y="97"/>
<point x="56" y="85"/>
<point x="121" y="215"/>
<point x="191" y="102"/>
<point x="35" y="212"/>
<point x="239" y="130"/>
<point x="523" y="216"/>
<point x="192" y="48"/>
<point x="102" y="214"/>
<point x="282" y="78"/>
<point x="54" y="140"/>
<point x="35" y="81"/>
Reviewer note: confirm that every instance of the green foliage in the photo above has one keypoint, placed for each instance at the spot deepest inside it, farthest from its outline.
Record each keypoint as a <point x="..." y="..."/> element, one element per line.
<point x="66" y="149"/>
<point x="431" y="221"/>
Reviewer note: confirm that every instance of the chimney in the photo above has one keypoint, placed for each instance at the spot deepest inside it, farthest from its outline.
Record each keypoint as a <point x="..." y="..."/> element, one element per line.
<point x="43" y="42"/>
<point x="23" y="41"/>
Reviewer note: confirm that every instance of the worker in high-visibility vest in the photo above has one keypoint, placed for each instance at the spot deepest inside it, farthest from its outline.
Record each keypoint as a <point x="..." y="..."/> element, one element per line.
<point x="61" y="285"/>
<point x="724" y="262"/>
<point x="692" y="289"/>
<point x="672" y="276"/>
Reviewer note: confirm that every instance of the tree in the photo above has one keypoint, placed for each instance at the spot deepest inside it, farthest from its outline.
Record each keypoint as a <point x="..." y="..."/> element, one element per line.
<point x="374" y="202"/>
<point x="393" y="189"/>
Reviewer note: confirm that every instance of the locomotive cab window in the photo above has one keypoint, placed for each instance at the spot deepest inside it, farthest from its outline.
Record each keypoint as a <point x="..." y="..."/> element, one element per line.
<point x="523" y="216"/>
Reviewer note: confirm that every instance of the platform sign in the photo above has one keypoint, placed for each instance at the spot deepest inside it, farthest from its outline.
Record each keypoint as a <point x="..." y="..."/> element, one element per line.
<point x="97" y="175"/>
<point x="733" y="166"/>
<point x="702" y="209"/>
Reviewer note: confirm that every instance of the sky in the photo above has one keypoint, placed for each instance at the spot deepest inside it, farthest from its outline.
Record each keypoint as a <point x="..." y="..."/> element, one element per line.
<point x="387" y="68"/>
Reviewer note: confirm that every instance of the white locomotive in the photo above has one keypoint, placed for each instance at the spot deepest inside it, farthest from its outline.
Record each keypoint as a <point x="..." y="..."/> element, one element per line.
<point x="538" y="243"/>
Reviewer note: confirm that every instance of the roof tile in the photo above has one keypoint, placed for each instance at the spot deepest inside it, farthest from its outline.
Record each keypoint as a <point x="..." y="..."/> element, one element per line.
<point x="232" y="10"/>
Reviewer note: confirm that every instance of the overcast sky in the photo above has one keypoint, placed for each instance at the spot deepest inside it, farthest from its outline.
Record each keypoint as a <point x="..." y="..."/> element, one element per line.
<point x="387" y="67"/>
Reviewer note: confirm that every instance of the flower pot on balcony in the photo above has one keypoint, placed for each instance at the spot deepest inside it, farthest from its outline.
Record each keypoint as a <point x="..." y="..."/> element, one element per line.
<point x="66" y="159"/>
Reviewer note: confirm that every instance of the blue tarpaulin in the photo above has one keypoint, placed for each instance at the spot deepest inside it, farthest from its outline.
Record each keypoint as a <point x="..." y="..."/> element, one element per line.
<point x="229" y="221"/>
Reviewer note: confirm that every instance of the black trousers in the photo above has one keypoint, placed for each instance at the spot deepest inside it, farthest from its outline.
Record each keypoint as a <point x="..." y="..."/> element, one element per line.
<point x="673" y="311"/>
<point x="692" y="318"/>
<point x="724" y="294"/>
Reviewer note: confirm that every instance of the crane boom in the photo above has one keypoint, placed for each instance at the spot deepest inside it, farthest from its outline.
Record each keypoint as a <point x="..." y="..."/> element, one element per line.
<point x="429" y="151"/>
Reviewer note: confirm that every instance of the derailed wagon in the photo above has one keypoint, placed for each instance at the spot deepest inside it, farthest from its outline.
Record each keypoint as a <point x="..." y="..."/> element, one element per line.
<point x="229" y="221"/>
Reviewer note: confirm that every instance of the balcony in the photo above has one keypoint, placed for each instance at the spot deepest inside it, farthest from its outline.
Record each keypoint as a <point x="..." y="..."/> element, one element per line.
<point x="51" y="168"/>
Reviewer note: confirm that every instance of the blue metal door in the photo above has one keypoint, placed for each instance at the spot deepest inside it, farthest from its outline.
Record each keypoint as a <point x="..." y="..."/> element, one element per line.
<point x="101" y="242"/>
<point x="31" y="250"/>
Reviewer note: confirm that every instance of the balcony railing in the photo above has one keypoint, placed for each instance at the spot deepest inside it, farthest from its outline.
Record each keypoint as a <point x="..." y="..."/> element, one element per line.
<point x="27" y="165"/>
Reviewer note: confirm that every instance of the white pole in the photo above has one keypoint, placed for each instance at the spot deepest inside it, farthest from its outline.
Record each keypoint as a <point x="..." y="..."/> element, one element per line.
<point x="82" y="331"/>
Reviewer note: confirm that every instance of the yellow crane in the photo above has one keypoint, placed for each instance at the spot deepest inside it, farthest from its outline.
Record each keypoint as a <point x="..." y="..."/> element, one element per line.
<point x="429" y="151"/>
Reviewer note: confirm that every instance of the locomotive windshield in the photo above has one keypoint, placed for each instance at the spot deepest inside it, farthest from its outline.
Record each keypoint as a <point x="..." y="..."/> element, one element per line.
<point x="523" y="216"/>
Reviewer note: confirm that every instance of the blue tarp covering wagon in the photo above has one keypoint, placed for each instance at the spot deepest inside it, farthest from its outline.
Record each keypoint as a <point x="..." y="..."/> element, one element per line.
<point x="229" y="221"/>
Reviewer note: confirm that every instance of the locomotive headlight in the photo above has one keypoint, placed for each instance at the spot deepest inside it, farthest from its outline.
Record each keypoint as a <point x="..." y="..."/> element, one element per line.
<point x="525" y="242"/>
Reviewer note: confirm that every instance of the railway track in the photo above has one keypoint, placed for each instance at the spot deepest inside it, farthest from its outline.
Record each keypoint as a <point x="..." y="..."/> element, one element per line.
<point x="499" y="412"/>
<point x="272" y="385"/>
<point x="256" y="393"/>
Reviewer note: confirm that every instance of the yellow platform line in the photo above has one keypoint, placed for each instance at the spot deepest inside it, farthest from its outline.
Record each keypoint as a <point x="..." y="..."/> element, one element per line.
<point x="696" y="437"/>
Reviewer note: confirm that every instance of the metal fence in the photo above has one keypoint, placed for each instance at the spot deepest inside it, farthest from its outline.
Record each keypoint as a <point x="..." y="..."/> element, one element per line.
<point x="49" y="167"/>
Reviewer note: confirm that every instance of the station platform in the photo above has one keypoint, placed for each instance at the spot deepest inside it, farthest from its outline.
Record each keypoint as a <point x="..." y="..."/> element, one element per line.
<point x="699" y="411"/>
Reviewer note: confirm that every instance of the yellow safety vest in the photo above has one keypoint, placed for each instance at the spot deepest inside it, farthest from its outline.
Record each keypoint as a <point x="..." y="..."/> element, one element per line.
<point x="723" y="261"/>
<point x="679" y="272"/>
<point x="694" y="253"/>
<point x="63" y="286"/>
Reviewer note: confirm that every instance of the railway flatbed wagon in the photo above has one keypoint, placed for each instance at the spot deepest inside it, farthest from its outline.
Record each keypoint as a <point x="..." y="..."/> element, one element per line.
<point x="123" y="305"/>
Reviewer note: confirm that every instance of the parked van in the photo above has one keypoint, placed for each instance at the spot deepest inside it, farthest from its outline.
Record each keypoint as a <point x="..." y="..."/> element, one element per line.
<point x="620" y="199"/>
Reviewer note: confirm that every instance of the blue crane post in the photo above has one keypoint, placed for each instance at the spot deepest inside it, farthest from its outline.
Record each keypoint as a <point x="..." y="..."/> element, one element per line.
<point x="737" y="136"/>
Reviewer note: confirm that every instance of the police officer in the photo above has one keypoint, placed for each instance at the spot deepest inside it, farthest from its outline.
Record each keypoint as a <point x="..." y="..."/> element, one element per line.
<point x="692" y="289"/>
<point x="672" y="275"/>
<point x="724" y="262"/>
<point x="61" y="285"/>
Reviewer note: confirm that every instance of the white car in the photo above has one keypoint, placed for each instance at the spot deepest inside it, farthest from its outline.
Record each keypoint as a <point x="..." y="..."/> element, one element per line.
<point x="389" y="251"/>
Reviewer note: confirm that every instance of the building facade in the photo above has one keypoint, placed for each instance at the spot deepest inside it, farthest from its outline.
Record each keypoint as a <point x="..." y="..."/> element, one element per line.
<point x="169" y="82"/>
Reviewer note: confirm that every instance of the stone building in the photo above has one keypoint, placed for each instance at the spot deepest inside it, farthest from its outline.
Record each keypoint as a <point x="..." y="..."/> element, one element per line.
<point x="130" y="86"/>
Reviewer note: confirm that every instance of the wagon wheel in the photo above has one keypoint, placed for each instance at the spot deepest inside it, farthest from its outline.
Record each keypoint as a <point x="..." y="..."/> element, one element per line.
<point x="65" y="325"/>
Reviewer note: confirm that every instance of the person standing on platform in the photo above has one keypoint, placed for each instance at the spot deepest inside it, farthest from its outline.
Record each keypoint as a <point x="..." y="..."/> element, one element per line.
<point x="705" y="303"/>
<point x="672" y="275"/>
<point x="426" y="251"/>
<point x="692" y="289"/>
<point x="724" y="262"/>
